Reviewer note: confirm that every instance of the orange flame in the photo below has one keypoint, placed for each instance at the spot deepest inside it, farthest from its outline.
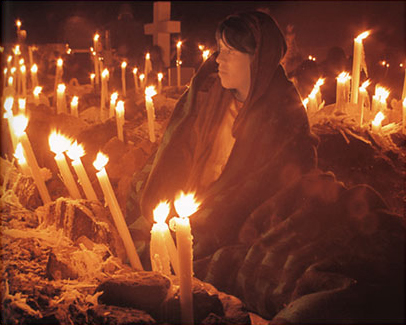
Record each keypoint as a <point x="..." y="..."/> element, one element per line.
<point x="101" y="161"/>
<point x="186" y="205"/>
<point x="161" y="212"/>
<point x="58" y="143"/>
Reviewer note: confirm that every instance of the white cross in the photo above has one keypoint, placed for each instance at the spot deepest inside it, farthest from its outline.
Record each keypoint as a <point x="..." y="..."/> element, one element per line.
<point x="162" y="27"/>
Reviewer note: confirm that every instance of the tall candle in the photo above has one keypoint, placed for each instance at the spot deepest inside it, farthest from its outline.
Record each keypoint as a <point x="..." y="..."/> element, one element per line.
<point x="111" y="200"/>
<point x="34" y="78"/>
<point x="30" y="48"/>
<point x="75" y="152"/>
<point x="159" y="253"/>
<point x="356" y="65"/>
<point x="58" y="74"/>
<point x="9" y="62"/>
<point x="342" y="94"/>
<point x="59" y="144"/>
<point x="120" y="120"/>
<point x="8" y="106"/>
<point x="74" y="106"/>
<point x="142" y="81"/>
<point x="113" y="100"/>
<point x="37" y="90"/>
<point x="149" y="105"/>
<point x="19" y="124"/>
<point x="147" y="67"/>
<point x="96" y="67"/>
<point x="22" y="162"/>
<point x="104" y="93"/>
<point x="363" y="101"/>
<point x="376" y="124"/>
<point x="61" y="100"/>
<point x="185" y="206"/>
<point x="23" y="80"/>
<point x="160" y="77"/>
<point x="123" y="85"/>
<point x="135" y="80"/>
<point x="178" y="62"/>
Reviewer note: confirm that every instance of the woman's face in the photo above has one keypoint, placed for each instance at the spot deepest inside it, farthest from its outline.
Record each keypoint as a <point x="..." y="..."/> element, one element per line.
<point x="234" y="69"/>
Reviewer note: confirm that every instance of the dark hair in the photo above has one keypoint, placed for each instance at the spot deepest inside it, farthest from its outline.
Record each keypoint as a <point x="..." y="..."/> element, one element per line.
<point x="235" y="32"/>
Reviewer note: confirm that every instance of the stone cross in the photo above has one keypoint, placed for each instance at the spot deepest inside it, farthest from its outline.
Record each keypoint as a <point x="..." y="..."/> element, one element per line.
<point x="162" y="27"/>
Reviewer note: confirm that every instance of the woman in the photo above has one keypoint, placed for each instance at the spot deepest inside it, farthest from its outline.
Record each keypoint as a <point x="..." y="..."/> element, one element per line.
<point x="238" y="135"/>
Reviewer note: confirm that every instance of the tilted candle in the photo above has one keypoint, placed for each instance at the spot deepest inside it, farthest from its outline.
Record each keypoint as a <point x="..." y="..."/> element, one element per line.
<point x="8" y="106"/>
<point x="22" y="162"/>
<point x="59" y="144"/>
<point x="149" y="105"/>
<point x="363" y="100"/>
<point x="111" y="200"/>
<point x="356" y="65"/>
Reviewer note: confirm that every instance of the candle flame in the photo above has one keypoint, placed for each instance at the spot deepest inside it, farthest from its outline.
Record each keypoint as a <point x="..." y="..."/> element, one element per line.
<point x="160" y="76"/>
<point x="34" y="68"/>
<point x="101" y="161"/>
<point x="364" y="85"/>
<point x="10" y="81"/>
<point x="58" y="143"/>
<point x="120" y="107"/>
<point x="206" y="54"/>
<point x="161" y="212"/>
<point x="362" y="36"/>
<point x="74" y="101"/>
<point x="59" y="63"/>
<point x="123" y="65"/>
<point x="37" y="90"/>
<point x="9" y="58"/>
<point x="19" y="154"/>
<point x="23" y="69"/>
<point x="113" y="97"/>
<point x="186" y="205"/>
<point x="20" y="123"/>
<point x="61" y="88"/>
<point x="305" y="102"/>
<point x="21" y="62"/>
<point x="21" y="103"/>
<point x="8" y="104"/>
<point x="381" y="94"/>
<point x="96" y="37"/>
<point x="201" y="47"/>
<point x="105" y="73"/>
<point x="16" y="50"/>
<point x="135" y="70"/>
<point x="147" y="56"/>
<point x="379" y="117"/>
<point x="92" y="76"/>
<point x="179" y="44"/>
<point x="343" y="77"/>
<point x="18" y="23"/>
<point x="142" y="76"/>
<point x="75" y="151"/>
<point x="150" y="92"/>
<point x="13" y="70"/>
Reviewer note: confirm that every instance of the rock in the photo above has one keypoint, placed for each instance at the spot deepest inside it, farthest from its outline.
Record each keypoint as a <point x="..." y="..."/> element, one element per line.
<point x="105" y="315"/>
<point x="59" y="266"/>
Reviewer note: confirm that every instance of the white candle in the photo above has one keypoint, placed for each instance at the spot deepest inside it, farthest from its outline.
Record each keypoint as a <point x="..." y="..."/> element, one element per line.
<point x="104" y="93"/>
<point x="379" y="99"/>
<point x="185" y="206"/>
<point x="159" y="254"/>
<point x="34" y="78"/>
<point x="8" y="106"/>
<point x="149" y="105"/>
<point x="59" y="144"/>
<point x="147" y="67"/>
<point x="74" y="152"/>
<point x="58" y="74"/>
<point x="22" y="162"/>
<point x="21" y="106"/>
<point x="92" y="76"/>
<point x="356" y="65"/>
<point x="18" y="24"/>
<point x="61" y="100"/>
<point x="123" y="85"/>
<point x="23" y="80"/>
<point x="376" y="124"/>
<point x="30" y="48"/>
<point x="142" y="81"/>
<point x="178" y="62"/>
<point x="160" y="77"/>
<point x="36" y="92"/>
<point x="135" y="80"/>
<point x="111" y="200"/>
<point x="343" y="80"/>
<point x="19" y="124"/>
<point x="113" y="100"/>
<point x="120" y="120"/>
<point x="74" y="106"/>
<point x="363" y="100"/>
<point x="96" y="67"/>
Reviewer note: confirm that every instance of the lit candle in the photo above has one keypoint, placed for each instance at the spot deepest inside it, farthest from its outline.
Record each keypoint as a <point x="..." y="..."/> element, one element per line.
<point x="96" y="42"/>
<point x="61" y="100"/>
<point x="74" y="152"/>
<point x="149" y="105"/>
<point x="92" y="76"/>
<point x="23" y="80"/>
<point x="356" y="65"/>
<point x="147" y="67"/>
<point x="59" y="144"/>
<point x="185" y="206"/>
<point x="205" y="55"/>
<point x="9" y="60"/>
<point x="178" y="62"/>
<point x="19" y="124"/>
<point x="404" y="116"/>
<point x="379" y="99"/>
<point x="34" y="78"/>
<point x="36" y="92"/>
<point x="8" y="106"/>
<point x="363" y="103"/>
<point x="22" y="162"/>
<point x="22" y="105"/>
<point x="74" y="106"/>
<point x="104" y="93"/>
<point x="159" y="253"/>
<point x="160" y="77"/>
<point x="377" y="122"/>
<point x="123" y="85"/>
<point x="113" y="99"/>
<point x="142" y="80"/>
<point x="135" y="80"/>
<point x="18" y="24"/>
<point x="120" y="120"/>
<point x="111" y="200"/>
<point x="58" y="73"/>
<point x="30" y="48"/>
<point x="342" y="94"/>
<point x="5" y="71"/>
<point x="96" y="67"/>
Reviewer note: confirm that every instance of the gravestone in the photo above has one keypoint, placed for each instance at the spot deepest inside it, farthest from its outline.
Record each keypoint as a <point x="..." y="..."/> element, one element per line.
<point x="162" y="27"/>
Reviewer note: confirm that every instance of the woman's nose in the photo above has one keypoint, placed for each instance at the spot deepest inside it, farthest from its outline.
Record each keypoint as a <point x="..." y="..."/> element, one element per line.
<point x="219" y="58"/>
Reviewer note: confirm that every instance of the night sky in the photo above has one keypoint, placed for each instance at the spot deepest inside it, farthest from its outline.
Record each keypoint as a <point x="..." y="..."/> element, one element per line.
<point x="319" y="25"/>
